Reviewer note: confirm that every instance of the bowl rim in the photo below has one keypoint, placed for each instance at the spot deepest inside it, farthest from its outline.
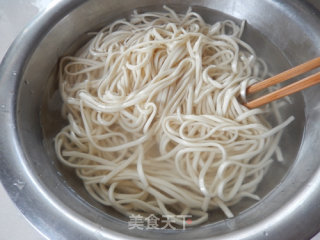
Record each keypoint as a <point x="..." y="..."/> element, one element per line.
<point x="15" y="169"/>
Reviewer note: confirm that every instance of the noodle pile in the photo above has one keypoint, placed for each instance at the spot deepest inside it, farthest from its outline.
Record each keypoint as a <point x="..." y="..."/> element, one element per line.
<point x="155" y="125"/>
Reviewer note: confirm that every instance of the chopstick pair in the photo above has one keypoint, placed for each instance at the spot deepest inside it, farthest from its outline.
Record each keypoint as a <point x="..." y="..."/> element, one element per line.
<point x="287" y="90"/>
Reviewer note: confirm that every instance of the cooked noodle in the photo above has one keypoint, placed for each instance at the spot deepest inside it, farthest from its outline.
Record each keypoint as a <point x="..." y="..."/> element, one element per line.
<point x="155" y="125"/>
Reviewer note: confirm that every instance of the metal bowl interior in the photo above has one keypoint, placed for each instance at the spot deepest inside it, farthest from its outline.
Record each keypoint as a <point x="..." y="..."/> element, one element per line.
<point x="283" y="33"/>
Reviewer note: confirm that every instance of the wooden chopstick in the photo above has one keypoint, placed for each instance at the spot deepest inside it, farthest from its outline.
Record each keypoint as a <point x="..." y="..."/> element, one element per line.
<point x="287" y="90"/>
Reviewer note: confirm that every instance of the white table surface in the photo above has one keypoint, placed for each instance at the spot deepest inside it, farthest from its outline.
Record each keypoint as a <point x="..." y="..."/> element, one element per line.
<point x="14" y="16"/>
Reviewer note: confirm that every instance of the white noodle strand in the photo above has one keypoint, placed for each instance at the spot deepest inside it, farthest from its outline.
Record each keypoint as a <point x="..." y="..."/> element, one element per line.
<point x="155" y="125"/>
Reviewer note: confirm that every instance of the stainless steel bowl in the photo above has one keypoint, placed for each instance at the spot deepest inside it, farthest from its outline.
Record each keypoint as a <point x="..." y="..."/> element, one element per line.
<point x="284" y="33"/>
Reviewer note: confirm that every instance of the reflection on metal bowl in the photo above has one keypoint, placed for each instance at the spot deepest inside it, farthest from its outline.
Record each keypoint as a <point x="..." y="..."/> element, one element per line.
<point x="283" y="33"/>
